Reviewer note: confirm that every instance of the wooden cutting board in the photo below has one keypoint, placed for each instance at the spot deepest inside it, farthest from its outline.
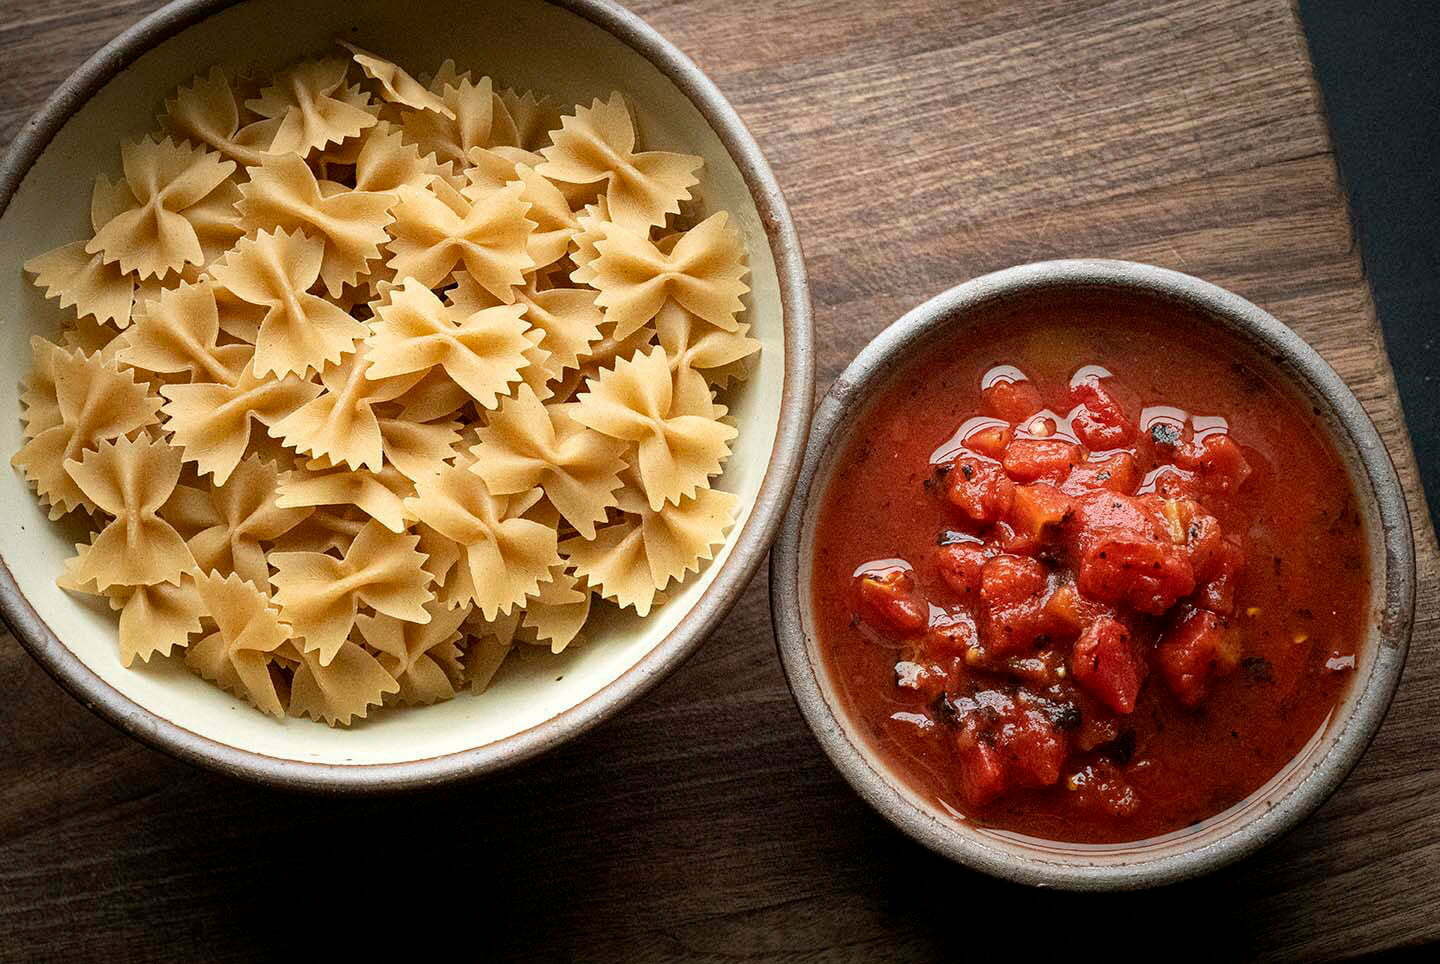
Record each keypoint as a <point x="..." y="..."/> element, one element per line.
<point x="920" y="142"/>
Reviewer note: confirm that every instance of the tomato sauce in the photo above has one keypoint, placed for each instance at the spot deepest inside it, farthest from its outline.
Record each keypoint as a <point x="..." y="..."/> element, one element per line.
<point x="1092" y="574"/>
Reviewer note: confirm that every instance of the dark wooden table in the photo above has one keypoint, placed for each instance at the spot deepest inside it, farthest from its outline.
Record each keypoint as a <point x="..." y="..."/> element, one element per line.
<point x="921" y="142"/>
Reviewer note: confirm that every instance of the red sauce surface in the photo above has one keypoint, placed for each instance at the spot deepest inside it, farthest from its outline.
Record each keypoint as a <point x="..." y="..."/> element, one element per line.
<point x="1093" y="576"/>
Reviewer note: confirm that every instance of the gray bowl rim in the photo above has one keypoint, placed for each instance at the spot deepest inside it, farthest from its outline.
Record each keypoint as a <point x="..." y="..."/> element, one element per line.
<point x="1337" y="755"/>
<point x="751" y="542"/>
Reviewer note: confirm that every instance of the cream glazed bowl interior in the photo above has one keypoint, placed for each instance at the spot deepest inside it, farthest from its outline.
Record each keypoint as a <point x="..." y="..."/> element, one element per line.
<point x="573" y="49"/>
<point x="1310" y="776"/>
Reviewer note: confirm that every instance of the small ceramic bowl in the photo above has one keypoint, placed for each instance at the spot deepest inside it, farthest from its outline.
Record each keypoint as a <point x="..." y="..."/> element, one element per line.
<point x="573" y="49"/>
<point x="1293" y="793"/>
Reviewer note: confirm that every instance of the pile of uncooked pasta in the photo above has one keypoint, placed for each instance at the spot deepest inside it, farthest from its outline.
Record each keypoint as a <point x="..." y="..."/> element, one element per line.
<point x="363" y="380"/>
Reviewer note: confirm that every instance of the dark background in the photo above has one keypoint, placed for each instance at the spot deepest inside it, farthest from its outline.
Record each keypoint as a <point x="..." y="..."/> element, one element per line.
<point x="1378" y="64"/>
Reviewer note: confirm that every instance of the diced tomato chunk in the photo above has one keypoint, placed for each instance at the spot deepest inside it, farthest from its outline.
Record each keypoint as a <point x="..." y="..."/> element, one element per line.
<point x="990" y="441"/>
<point x="927" y="678"/>
<point x="1033" y="748"/>
<point x="892" y="598"/>
<point x="1014" y="616"/>
<point x="1096" y="729"/>
<point x="1197" y="649"/>
<point x="1117" y="473"/>
<point x="979" y="488"/>
<point x="1013" y="401"/>
<point x="982" y="772"/>
<point x="1147" y="576"/>
<point x="1195" y="532"/>
<point x="952" y="637"/>
<point x="1217" y="591"/>
<point x="1070" y="612"/>
<point x="1007" y="579"/>
<point x="1100" y="422"/>
<point x="1217" y="462"/>
<point x="960" y="566"/>
<point x="1005" y="741"/>
<point x="1123" y="553"/>
<point x="1014" y="628"/>
<point x="1104" y="513"/>
<point x="1102" y="787"/>
<point x="1035" y="508"/>
<point x="1104" y="661"/>
<point x="1173" y="483"/>
<point x="1041" y="459"/>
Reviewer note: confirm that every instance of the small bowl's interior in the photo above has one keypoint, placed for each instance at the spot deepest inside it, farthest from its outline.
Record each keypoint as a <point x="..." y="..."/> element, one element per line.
<point x="1048" y="862"/>
<point x="523" y="43"/>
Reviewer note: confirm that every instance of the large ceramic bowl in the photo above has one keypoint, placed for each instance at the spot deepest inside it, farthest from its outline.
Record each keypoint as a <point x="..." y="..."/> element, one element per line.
<point x="575" y="49"/>
<point x="1294" y="792"/>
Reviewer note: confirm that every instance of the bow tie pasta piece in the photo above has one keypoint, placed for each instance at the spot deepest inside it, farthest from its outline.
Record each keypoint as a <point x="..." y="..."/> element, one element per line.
<point x="248" y="632"/>
<point x="531" y="118"/>
<point x="326" y="530"/>
<point x="487" y="232"/>
<point x="507" y="555"/>
<point x="94" y="402"/>
<point x="40" y="407"/>
<point x="555" y="222"/>
<point x="157" y="618"/>
<point x="227" y="524"/>
<point x="340" y="423"/>
<point x="340" y="690"/>
<point x="681" y="441"/>
<point x="549" y="206"/>
<point x="319" y="594"/>
<point x="386" y="162"/>
<point x="166" y="180"/>
<point x="417" y="449"/>
<point x="540" y="372"/>
<point x="597" y="143"/>
<point x="310" y="112"/>
<point x="435" y="396"/>
<point x="482" y="352"/>
<point x="488" y="642"/>
<point x="478" y="120"/>
<point x="693" y="345"/>
<point x="83" y="281"/>
<point x="130" y="481"/>
<point x="526" y="444"/>
<point x="283" y="193"/>
<point x="558" y="611"/>
<point x="300" y="331"/>
<point x="567" y="317"/>
<point x="444" y="556"/>
<point x="207" y="111"/>
<point x="179" y="332"/>
<point x="211" y="421"/>
<point x="396" y="86"/>
<point x="217" y="225"/>
<point x="607" y="351"/>
<point x="593" y="226"/>
<point x="702" y="272"/>
<point x="379" y="495"/>
<point x="422" y="658"/>
<point x="637" y="557"/>
<point x="489" y="169"/>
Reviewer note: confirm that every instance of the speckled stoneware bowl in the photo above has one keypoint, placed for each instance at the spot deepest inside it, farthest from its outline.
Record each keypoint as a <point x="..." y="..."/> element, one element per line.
<point x="1293" y="793"/>
<point x="574" y="49"/>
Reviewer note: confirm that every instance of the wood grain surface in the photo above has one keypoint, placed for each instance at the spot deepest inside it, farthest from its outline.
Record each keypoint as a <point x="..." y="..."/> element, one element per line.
<point x="920" y="142"/>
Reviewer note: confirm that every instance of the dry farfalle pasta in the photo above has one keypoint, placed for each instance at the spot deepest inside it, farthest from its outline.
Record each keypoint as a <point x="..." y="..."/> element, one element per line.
<point x="365" y="379"/>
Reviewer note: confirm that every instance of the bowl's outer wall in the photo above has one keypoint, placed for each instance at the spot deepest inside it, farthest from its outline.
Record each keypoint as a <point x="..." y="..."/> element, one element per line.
<point x="573" y="48"/>
<point x="1315" y="772"/>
